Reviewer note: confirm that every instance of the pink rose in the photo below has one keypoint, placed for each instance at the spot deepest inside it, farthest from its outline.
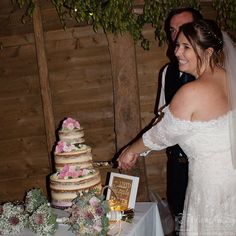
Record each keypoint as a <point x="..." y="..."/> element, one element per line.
<point x="70" y="124"/>
<point x="80" y="173"/>
<point x="77" y="125"/>
<point x="69" y="171"/>
<point x="76" y="174"/>
<point x="63" y="172"/>
<point x="60" y="147"/>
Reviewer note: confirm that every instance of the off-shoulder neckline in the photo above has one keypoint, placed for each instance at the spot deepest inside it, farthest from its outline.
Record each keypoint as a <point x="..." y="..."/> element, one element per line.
<point x="213" y="120"/>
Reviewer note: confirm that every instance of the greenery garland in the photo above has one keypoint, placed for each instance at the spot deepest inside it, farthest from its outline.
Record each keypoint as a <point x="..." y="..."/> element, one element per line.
<point x="226" y="13"/>
<point x="119" y="16"/>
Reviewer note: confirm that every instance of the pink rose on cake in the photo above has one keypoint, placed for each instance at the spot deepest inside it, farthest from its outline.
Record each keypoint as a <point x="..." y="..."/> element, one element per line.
<point x="71" y="172"/>
<point x="65" y="147"/>
<point x="70" y="124"/>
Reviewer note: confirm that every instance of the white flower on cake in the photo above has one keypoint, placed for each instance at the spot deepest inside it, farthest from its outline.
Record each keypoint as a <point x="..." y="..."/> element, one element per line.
<point x="70" y="124"/>
<point x="72" y="172"/>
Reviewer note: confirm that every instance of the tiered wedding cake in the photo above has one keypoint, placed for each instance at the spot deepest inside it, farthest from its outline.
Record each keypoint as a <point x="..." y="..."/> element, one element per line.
<point x="74" y="166"/>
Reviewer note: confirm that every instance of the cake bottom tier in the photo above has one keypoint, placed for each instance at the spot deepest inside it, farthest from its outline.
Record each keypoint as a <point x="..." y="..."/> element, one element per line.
<point x="63" y="192"/>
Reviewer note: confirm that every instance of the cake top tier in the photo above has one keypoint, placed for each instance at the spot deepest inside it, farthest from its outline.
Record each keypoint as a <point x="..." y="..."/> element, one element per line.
<point x="71" y="131"/>
<point x="70" y="124"/>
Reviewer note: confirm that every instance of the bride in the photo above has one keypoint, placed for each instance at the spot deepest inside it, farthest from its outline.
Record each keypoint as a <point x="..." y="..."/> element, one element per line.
<point x="200" y="119"/>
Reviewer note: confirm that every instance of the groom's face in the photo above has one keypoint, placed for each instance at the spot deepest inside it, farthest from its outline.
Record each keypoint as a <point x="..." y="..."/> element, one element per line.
<point x="178" y="20"/>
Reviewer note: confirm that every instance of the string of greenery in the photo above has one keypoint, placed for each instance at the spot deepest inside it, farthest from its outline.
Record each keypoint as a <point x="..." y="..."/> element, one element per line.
<point x="120" y="16"/>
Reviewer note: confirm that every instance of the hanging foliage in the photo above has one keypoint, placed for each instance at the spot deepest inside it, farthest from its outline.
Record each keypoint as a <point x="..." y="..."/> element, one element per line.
<point x="226" y="13"/>
<point x="119" y="16"/>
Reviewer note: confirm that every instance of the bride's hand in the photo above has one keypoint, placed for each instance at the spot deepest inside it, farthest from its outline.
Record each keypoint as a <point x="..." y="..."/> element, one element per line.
<point x="127" y="159"/>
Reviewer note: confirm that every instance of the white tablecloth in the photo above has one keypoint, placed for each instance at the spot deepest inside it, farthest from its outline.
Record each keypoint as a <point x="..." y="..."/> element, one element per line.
<point x="146" y="222"/>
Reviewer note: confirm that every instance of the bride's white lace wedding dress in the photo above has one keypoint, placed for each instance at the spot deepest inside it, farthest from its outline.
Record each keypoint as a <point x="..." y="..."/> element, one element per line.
<point x="210" y="203"/>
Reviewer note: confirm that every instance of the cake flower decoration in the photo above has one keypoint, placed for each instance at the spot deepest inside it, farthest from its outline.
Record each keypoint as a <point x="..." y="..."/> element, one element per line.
<point x="63" y="146"/>
<point x="72" y="172"/>
<point x="70" y="124"/>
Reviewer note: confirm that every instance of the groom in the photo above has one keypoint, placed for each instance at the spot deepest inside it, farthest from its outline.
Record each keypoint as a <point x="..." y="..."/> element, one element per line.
<point x="171" y="80"/>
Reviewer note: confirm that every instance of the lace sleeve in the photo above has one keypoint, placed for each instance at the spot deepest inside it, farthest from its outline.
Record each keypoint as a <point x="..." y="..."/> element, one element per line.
<point x="168" y="132"/>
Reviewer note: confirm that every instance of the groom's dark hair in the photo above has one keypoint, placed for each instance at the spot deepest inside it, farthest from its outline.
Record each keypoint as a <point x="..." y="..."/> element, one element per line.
<point x="195" y="13"/>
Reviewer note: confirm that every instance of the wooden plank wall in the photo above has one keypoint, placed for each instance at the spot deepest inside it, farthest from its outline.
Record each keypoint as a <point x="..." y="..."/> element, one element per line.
<point x="80" y="76"/>
<point x="81" y="87"/>
<point x="22" y="132"/>
<point x="149" y="64"/>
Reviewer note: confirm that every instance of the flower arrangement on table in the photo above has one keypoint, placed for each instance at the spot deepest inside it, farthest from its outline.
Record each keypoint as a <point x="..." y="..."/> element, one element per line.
<point x="13" y="218"/>
<point x="35" y="213"/>
<point x="88" y="215"/>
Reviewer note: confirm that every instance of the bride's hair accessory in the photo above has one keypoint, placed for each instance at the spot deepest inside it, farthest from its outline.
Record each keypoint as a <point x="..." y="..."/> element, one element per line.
<point x="213" y="35"/>
<point x="210" y="32"/>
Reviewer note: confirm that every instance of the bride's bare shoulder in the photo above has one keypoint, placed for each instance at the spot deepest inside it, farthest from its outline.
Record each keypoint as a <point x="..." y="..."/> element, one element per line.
<point x="185" y="101"/>
<point x="190" y="97"/>
<point x="190" y="91"/>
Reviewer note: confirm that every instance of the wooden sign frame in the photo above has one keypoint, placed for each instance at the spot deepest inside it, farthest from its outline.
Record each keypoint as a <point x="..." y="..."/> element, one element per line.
<point x="124" y="188"/>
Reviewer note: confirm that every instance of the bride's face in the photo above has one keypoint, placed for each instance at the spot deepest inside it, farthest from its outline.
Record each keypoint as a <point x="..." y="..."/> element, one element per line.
<point x="187" y="57"/>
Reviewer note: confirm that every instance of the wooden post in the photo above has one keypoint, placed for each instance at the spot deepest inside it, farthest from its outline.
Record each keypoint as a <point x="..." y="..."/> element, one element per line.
<point x="44" y="80"/>
<point x="126" y="100"/>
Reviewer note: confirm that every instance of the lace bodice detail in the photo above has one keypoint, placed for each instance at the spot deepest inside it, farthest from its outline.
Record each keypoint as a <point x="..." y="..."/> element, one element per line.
<point x="198" y="139"/>
<point x="206" y="144"/>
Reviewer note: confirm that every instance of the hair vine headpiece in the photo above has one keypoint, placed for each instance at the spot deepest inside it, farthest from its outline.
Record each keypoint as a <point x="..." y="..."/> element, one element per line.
<point x="209" y="32"/>
<point x="213" y="35"/>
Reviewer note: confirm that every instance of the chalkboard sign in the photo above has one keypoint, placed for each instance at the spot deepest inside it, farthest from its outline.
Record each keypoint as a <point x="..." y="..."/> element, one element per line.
<point x="123" y="190"/>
